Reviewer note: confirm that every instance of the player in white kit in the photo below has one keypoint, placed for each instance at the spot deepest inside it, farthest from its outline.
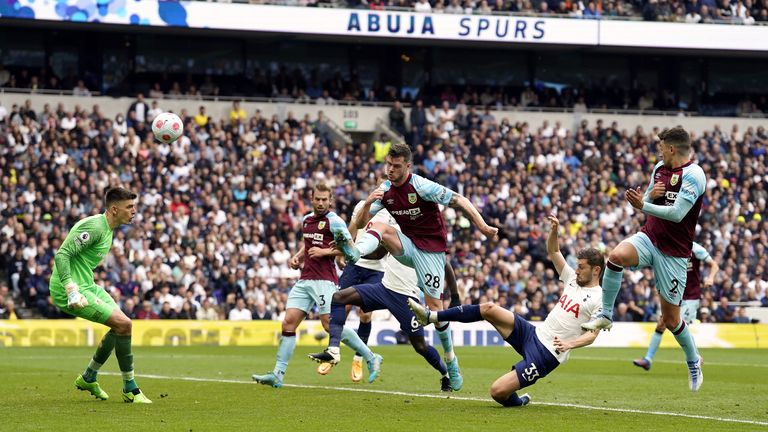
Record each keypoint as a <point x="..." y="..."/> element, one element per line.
<point x="547" y="346"/>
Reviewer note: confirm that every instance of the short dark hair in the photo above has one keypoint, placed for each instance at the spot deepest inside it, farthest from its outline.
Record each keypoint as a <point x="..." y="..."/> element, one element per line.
<point x="400" y="150"/>
<point x="678" y="137"/>
<point x="117" y="194"/>
<point x="593" y="257"/>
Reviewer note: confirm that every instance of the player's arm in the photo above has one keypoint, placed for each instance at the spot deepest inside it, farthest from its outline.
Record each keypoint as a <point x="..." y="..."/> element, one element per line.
<point x="434" y="192"/>
<point x="714" y="267"/>
<point x="553" y="245"/>
<point x="702" y="254"/>
<point x="76" y="241"/>
<point x="585" y="339"/>
<point x="298" y="258"/>
<point x="692" y="188"/>
<point x="371" y="206"/>
<point x="654" y="190"/>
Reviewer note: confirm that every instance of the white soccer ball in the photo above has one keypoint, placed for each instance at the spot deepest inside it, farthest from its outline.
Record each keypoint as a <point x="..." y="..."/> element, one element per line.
<point x="167" y="127"/>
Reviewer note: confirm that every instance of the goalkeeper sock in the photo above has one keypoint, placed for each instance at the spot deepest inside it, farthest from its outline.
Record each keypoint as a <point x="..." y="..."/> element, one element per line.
<point x="100" y="357"/>
<point x="125" y="360"/>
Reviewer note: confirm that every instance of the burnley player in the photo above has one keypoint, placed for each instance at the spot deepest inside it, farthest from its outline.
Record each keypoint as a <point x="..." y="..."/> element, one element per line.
<point x="390" y="293"/>
<point x="413" y="201"/>
<point x="547" y="346"/>
<point x="368" y="270"/>
<point x="671" y="203"/>
<point x="74" y="291"/>
<point x="691" y="300"/>
<point x="316" y="286"/>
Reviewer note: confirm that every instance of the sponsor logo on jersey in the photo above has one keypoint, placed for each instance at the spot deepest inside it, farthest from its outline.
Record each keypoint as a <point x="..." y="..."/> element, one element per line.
<point x="321" y="225"/>
<point x="412" y="198"/>
<point x="315" y="237"/>
<point x="407" y="212"/>
<point x="674" y="179"/>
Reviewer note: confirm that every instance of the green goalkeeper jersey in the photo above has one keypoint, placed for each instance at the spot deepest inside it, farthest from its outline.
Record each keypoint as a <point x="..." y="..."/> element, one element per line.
<point x="85" y="247"/>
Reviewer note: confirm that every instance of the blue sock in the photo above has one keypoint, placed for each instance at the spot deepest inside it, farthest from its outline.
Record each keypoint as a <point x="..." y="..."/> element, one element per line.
<point x="513" y="400"/>
<point x="338" y="318"/>
<point x="654" y="345"/>
<point x="352" y="340"/>
<point x="444" y="333"/>
<point x="368" y="242"/>
<point x="364" y="331"/>
<point x="611" y="286"/>
<point x="284" y="353"/>
<point x="464" y="313"/>
<point x="433" y="358"/>
<point x="686" y="341"/>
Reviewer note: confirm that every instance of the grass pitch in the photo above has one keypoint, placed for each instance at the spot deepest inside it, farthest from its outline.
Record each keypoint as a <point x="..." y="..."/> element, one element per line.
<point x="209" y="389"/>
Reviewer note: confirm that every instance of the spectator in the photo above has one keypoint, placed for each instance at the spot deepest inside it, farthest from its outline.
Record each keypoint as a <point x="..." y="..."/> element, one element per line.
<point x="146" y="311"/>
<point x="261" y="312"/>
<point x="207" y="311"/>
<point x="237" y="115"/>
<point x="81" y="90"/>
<point x="139" y="109"/>
<point x="397" y="118"/>
<point x="240" y="312"/>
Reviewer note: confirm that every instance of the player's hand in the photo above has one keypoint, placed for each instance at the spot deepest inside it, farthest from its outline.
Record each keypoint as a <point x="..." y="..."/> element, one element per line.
<point x="377" y="194"/>
<point x="657" y="191"/>
<point x="294" y="262"/>
<point x="318" y="252"/>
<point x="75" y="300"/>
<point x="709" y="281"/>
<point x="561" y="345"/>
<point x="490" y="232"/>
<point x="554" y="224"/>
<point x="634" y="197"/>
<point x="341" y="262"/>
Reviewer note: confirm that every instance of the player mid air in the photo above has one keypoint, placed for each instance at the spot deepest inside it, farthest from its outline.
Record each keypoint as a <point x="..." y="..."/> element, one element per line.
<point x="391" y="293"/>
<point x="691" y="300"/>
<point x="547" y="346"/>
<point x="672" y="203"/>
<point x="413" y="203"/>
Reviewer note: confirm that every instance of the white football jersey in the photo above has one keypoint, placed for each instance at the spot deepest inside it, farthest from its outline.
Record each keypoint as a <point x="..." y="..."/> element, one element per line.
<point x="397" y="277"/>
<point x="575" y="307"/>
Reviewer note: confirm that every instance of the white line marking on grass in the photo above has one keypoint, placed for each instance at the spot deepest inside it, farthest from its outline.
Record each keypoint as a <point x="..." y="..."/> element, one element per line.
<point x="464" y="398"/>
<point x="680" y="362"/>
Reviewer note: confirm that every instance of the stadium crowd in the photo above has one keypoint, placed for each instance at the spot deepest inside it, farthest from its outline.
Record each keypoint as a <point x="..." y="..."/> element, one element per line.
<point x="219" y="209"/>
<point x="305" y="84"/>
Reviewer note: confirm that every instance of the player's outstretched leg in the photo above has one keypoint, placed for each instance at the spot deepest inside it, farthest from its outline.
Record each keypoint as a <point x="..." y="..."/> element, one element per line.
<point x="348" y="249"/>
<point x="692" y="357"/>
<point x="87" y="380"/>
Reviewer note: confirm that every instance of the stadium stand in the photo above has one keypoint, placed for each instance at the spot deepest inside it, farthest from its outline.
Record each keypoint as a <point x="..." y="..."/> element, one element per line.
<point x="219" y="209"/>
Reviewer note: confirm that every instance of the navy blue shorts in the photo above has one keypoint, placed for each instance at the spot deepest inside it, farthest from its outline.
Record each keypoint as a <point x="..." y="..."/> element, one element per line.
<point x="355" y="275"/>
<point x="537" y="361"/>
<point x="376" y="297"/>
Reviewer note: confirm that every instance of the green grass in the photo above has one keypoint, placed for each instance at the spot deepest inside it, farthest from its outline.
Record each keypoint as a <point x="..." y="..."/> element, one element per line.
<point x="37" y="391"/>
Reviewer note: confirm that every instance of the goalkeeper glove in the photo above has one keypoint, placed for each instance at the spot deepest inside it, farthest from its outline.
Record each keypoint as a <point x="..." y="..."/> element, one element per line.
<point x="75" y="300"/>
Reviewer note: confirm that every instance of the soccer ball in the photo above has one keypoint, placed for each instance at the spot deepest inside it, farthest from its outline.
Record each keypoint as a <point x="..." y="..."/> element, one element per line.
<point x="167" y="127"/>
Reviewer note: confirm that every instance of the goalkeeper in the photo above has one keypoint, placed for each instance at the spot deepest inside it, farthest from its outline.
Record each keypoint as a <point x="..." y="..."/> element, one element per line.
<point x="74" y="291"/>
